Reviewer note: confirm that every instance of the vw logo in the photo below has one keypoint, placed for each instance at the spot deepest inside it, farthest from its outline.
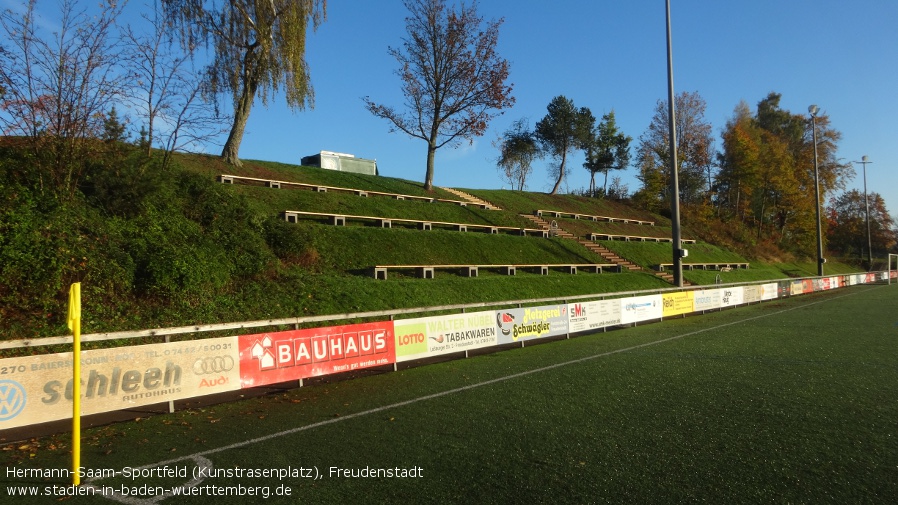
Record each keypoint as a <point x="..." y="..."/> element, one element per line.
<point x="12" y="399"/>
<point x="210" y="365"/>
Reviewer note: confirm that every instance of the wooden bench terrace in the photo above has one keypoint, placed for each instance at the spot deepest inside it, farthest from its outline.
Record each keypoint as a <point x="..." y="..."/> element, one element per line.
<point x="706" y="266"/>
<point x="588" y="217"/>
<point x="292" y="216"/>
<point x="635" y="238"/>
<point x="427" y="271"/>
<point x="268" y="183"/>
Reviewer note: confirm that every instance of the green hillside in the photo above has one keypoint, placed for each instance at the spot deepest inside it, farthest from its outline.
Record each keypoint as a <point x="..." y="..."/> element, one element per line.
<point x="156" y="248"/>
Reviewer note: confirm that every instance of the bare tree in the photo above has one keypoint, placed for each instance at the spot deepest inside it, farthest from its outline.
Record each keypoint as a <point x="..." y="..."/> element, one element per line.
<point x="452" y="76"/>
<point x="59" y="86"/>
<point x="167" y="92"/>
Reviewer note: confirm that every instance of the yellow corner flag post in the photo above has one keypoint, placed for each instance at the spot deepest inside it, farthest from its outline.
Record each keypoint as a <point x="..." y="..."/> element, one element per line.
<point x="74" y="322"/>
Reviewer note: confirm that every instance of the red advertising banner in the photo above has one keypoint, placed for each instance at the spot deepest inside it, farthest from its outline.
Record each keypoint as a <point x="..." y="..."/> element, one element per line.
<point x="269" y="358"/>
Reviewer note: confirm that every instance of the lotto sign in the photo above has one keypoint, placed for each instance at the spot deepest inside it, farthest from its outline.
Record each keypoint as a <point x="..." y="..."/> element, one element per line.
<point x="431" y="336"/>
<point x="532" y="322"/>
<point x="593" y="315"/>
<point x="677" y="303"/>
<point x="640" y="308"/>
<point x="37" y="389"/>
<point x="269" y="358"/>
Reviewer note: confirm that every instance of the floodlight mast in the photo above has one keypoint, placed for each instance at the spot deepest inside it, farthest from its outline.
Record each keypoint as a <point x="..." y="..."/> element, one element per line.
<point x="813" y="110"/>
<point x="674" y="182"/>
<point x="864" y="161"/>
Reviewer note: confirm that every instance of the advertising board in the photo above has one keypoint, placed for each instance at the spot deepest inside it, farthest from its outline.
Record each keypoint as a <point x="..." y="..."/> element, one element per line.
<point x="532" y="322"/>
<point x="732" y="296"/>
<point x="641" y="308"/>
<point x="269" y="358"/>
<point x="677" y="303"/>
<point x="706" y="299"/>
<point x="431" y="336"/>
<point x="36" y="389"/>
<point x="593" y="315"/>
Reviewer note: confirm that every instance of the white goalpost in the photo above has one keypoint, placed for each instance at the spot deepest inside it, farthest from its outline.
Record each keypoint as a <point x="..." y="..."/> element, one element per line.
<point x="890" y="266"/>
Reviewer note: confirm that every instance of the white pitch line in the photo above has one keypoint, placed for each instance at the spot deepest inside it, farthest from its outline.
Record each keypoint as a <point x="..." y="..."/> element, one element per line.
<point x="473" y="386"/>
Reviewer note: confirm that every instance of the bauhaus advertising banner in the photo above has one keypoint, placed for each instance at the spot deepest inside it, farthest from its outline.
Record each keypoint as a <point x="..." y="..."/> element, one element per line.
<point x="515" y="325"/>
<point x="593" y="315"/>
<point x="269" y="358"/>
<point x="431" y="336"/>
<point x="36" y="389"/>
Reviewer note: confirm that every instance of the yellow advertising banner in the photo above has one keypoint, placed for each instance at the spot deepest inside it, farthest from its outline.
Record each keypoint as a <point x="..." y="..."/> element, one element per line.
<point x="677" y="303"/>
<point x="36" y="389"/>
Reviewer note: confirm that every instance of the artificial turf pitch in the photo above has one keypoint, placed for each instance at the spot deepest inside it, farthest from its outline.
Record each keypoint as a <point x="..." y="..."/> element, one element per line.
<point x="790" y="401"/>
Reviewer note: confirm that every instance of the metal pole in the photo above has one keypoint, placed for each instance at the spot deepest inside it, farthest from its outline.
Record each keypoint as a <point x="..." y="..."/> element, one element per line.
<point x="813" y="110"/>
<point x="864" y="162"/>
<point x="674" y="178"/>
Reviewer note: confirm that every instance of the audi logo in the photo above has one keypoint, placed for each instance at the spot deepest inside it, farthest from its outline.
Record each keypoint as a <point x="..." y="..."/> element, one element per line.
<point x="211" y="365"/>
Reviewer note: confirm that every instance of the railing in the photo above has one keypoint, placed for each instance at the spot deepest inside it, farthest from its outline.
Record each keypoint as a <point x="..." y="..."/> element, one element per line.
<point x="391" y="314"/>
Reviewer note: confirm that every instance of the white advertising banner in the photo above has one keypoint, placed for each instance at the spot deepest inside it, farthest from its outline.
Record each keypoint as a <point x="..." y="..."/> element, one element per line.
<point x="730" y="297"/>
<point x="706" y="299"/>
<point x="769" y="291"/>
<point x="641" y="308"/>
<point x="36" y="389"/>
<point x="593" y="315"/>
<point x="431" y="336"/>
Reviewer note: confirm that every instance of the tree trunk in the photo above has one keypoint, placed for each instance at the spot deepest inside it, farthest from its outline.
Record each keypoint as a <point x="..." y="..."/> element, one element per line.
<point x="231" y="150"/>
<point x="428" y="177"/>
<point x="560" y="174"/>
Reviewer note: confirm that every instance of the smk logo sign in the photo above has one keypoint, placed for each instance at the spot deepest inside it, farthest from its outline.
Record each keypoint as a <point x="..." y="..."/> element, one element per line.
<point x="307" y="350"/>
<point x="12" y="399"/>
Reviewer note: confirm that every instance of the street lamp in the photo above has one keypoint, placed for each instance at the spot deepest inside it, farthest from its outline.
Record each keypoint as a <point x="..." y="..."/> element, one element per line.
<point x="678" y="252"/>
<point x="813" y="110"/>
<point x="864" y="161"/>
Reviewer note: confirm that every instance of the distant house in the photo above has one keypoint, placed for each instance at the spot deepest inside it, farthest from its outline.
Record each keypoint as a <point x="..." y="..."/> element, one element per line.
<point x="342" y="162"/>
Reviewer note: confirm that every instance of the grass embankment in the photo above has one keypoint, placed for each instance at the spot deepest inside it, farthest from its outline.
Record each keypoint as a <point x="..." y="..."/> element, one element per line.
<point x="156" y="248"/>
<point x="176" y="248"/>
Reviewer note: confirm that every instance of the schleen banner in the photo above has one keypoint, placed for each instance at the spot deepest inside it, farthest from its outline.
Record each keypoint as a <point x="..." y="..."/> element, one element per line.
<point x="37" y="389"/>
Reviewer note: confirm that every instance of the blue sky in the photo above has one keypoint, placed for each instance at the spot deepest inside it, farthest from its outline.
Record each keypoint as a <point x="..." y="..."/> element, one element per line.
<point x="605" y="54"/>
<point x="608" y="55"/>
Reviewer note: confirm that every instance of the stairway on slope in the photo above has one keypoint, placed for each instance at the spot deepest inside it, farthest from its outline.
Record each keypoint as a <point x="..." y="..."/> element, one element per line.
<point x="604" y="252"/>
<point x="471" y="198"/>
<point x="599" y="249"/>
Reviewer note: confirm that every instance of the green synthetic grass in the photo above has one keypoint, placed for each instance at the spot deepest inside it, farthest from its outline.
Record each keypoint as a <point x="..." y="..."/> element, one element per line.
<point x="785" y="402"/>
